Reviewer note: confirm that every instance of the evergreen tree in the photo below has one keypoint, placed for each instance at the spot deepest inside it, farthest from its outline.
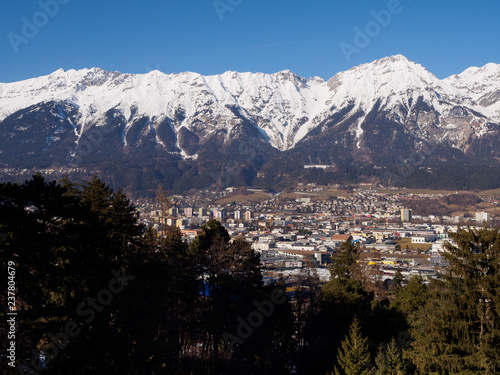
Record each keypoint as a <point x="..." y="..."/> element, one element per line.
<point x="37" y="219"/>
<point x="67" y="240"/>
<point x="458" y="330"/>
<point x="345" y="261"/>
<point x="354" y="355"/>
<point x="410" y="298"/>
<point x="390" y="361"/>
<point x="345" y="285"/>
<point x="342" y="298"/>
<point x="160" y="318"/>
<point x="229" y="280"/>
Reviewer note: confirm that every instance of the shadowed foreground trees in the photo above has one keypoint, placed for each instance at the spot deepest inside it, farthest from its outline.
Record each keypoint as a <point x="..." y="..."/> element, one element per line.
<point x="353" y="354"/>
<point x="72" y="247"/>
<point x="98" y="293"/>
<point x="458" y="330"/>
<point x="134" y="303"/>
<point x="450" y="326"/>
<point x="343" y="298"/>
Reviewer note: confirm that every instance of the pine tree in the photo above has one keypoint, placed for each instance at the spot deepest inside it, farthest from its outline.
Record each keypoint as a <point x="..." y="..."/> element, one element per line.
<point x="165" y="291"/>
<point x="345" y="285"/>
<point x="390" y="361"/>
<point x="458" y="330"/>
<point x="345" y="261"/>
<point x="37" y="219"/>
<point x="411" y="297"/>
<point x="69" y="239"/>
<point x="230" y="279"/>
<point x="342" y="298"/>
<point x="354" y="355"/>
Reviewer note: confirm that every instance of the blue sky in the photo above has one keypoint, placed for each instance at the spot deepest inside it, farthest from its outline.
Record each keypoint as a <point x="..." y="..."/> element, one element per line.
<point x="211" y="37"/>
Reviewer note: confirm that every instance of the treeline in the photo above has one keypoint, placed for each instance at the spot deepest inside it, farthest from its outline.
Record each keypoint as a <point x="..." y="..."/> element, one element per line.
<point x="428" y="206"/>
<point x="462" y="199"/>
<point x="439" y="207"/>
<point x="98" y="293"/>
<point x="287" y="170"/>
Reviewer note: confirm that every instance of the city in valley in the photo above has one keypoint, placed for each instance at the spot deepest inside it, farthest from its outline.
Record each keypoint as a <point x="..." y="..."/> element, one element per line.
<point x="296" y="232"/>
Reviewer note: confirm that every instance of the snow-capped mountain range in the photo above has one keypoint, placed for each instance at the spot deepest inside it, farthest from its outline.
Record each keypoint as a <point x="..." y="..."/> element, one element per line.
<point x="179" y="114"/>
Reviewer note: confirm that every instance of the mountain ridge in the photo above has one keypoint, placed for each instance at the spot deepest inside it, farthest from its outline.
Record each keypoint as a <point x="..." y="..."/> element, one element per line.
<point x="373" y="114"/>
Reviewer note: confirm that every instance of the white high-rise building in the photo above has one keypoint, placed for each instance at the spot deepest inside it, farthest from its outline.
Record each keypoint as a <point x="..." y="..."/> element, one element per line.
<point x="482" y="217"/>
<point x="220" y="215"/>
<point x="248" y="215"/>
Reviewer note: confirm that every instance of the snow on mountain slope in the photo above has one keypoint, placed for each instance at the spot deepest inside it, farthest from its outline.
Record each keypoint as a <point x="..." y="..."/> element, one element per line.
<point x="284" y="106"/>
<point x="482" y="86"/>
<point x="397" y="86"/>
<point x="279" y="103"/>
<point x="390" y="78"/>
<point x="394" y="80"/>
